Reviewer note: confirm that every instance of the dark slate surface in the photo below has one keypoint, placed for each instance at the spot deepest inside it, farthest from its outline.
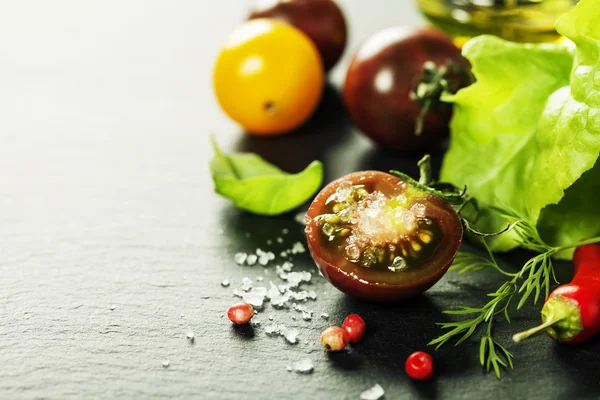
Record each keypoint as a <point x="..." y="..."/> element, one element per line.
<point x="106" y="202"/>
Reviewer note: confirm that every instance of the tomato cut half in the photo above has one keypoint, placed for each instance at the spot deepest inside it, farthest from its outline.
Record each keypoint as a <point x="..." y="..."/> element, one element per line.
<point x="375" y="237"/>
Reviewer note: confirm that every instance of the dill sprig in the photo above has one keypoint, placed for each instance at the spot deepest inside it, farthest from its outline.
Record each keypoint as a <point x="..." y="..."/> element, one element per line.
<point x="533" y="278"/>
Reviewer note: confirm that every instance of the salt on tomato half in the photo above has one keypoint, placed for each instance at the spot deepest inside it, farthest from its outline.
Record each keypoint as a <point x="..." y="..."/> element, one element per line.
<point x="377" y="238"/>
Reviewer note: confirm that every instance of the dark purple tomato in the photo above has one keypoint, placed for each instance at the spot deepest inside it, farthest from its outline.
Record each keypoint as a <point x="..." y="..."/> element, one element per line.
<point x="383" y="73"/>
<point x="321" y="20"/>
<point x="377" y="238"/>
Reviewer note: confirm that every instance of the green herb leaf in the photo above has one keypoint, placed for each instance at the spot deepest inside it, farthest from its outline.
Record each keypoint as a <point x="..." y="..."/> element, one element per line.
<point x="255" y="185"/>
<point x="527" y="131"/>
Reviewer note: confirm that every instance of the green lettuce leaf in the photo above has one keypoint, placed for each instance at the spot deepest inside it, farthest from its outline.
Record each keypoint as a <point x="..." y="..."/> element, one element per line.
<point x="255" y="185"/>
<point x="529" y="128"/>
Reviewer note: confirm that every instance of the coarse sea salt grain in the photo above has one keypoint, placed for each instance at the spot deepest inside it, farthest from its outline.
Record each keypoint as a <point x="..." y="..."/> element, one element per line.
<point x="290" y="334"/>
<point x="255" y="298"/>
<point x="300" y="218"/>
<point x="374" y="393"/>
<point x="304" y="366"/>
<point x="325" y="316"/>
<point x="246" y="284"/>
<point x="251" y="260"/>
<point x="272" y="329"/>
<point x="240" y="258"/>
<point x="298" y="248"/>
<point x="225" y="283"/>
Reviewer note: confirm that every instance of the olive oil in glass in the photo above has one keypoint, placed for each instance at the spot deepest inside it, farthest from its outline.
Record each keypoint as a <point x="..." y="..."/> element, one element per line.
<point x="516" y="20"/>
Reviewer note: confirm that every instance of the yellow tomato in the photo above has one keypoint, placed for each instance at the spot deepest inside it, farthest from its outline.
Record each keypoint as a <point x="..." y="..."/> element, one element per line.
<point x="268" y="77"/>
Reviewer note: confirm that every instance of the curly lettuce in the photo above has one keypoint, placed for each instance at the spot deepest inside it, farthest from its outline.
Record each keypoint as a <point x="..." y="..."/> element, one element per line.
<point x="526" y="135"/>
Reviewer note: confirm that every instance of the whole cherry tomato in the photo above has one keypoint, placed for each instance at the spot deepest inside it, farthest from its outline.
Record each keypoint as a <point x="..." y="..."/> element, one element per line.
<point x="322" y="20"/>
<point x="268" y="77"/>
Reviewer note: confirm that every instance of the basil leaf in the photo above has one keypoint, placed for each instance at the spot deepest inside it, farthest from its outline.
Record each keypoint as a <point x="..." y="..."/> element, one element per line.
<point x="258" y="186"/>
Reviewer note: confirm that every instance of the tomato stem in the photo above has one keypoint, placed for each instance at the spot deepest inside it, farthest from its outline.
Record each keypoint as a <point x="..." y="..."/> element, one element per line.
<point x="434" y="81"/>
<point x="425" y="170"/>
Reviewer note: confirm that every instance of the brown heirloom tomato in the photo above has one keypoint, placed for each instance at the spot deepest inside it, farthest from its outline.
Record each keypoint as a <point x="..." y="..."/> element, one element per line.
<point x="387" y="67"/>
<point x="377" y="238"/>
<point x="321" y="20"/>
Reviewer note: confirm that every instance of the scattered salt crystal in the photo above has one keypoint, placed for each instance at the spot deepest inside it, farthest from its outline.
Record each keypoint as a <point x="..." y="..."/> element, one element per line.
<point x="298" y="248"/>
<point x="325" y="316"/>
<point x="287" y="266"/>
<point x="260" y="290"/>
<point x="259" y="278"/>
<point x="255" y="322"/>
<point x="279" y="240"/>
<point x="251" y="260"/>
<point x="280" y="301"/>
<point x="269" y="242"/>
<point x="113" y="307"/>
<point x="273" y="329"/>
<point x="352" y="252"/>
<point x="408" y="219"/>
<point x="264" y="259"/>
<point x="246" y="284"/>
<point x="295" y="278"/>
<point x="190" y="336"/>
<point x="283" y="254"/>
<point x="238" y="293"/>
<point x="419" y="209"/>
<point x="300" y="218"/>
<point x="306" y="313"/>
<point x="300" y="296"/>
<point x="240" y="258"/>
<point x="273" y="291"/>
<point x="344" y="191"/>
<point x="289" y="368"/>
<point x="166" y="363"/>
<point x="270" y="318"/>
<point x="374" y="393"/>
<point x="285" y="231"/>
<point x="328" y="229"/>
<point x="312" y="295"/>
<point x="271" y="255"/>
<point x="225" y="283"/>
<point x="399" y="264"/>
<point x="290" y="334"/>
<point x="303" y="366"/>
<point x="255" y="299"/>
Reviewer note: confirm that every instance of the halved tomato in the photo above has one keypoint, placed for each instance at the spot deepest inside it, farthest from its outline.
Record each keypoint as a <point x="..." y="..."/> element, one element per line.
<point x="375" y="237"/>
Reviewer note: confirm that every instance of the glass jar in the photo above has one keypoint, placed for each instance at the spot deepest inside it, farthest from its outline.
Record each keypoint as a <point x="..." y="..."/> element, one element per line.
<point x="516" y="20"/>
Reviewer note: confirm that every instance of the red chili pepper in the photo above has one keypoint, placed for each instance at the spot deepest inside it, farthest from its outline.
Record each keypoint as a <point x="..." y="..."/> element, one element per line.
<point x="571" y="313"/>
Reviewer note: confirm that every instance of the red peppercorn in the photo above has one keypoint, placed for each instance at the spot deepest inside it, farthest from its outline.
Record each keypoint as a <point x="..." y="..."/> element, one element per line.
<point x="334" y="338"/>
<point x="240" y="313"/>
<point x="355" y="327"/>
<point x="419" y="365"/>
